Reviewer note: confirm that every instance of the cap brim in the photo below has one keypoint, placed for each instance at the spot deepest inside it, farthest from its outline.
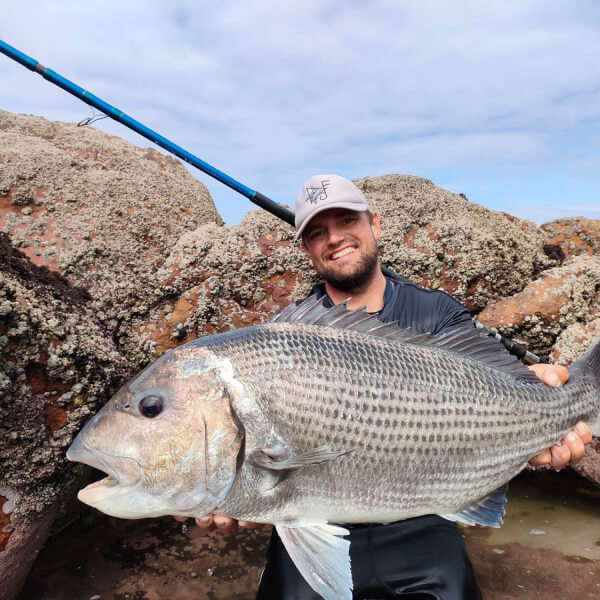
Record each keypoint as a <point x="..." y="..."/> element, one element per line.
<point x="348" y="205"/>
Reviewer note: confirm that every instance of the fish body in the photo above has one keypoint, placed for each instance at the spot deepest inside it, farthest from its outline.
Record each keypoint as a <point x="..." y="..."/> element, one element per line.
<point x="328" y="416"/>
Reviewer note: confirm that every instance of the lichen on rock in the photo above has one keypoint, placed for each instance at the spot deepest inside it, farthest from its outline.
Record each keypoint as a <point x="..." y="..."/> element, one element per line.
<point x="57" y="367"/>
<point x="216" y="279"/>
<point x="560" y="298"/>
<point x="96" y="209"/>
<point x="574" y="236"/>
<point x="441" y="240"/>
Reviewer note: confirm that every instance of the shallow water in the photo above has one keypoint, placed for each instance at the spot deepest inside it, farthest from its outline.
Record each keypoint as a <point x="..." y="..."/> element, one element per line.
<point x="552" y="516"/>
<point x="549" y="547"/>
<point x="549" y="544"/>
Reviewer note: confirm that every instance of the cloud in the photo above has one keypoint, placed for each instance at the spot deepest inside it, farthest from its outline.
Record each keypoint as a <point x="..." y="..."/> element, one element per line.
<point x="270" y="92"/>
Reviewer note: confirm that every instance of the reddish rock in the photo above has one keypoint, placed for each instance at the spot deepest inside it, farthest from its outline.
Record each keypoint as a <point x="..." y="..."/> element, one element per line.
<point x="5" y="524"/>
<point x="589" y="467"/>
<point x="576" y="339"/>
<point x="57" y="367"/>
<point x="442" y="241"/>
<point x="20" y="547"/>
<point x="217" y="279"/>
<point x="55" y="417"/>
<point x="543" y="298"/>
<point x="561" y="297"/>
<point x="574" y="236"/>
<point x="96" y="209"/>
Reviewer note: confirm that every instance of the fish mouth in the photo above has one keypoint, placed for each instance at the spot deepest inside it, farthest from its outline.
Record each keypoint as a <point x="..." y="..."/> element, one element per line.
<point x="122" y="472"/>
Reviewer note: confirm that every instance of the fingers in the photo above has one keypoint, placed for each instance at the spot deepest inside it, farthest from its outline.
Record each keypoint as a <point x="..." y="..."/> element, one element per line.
<point x="251" y="525"/>
<point x="205" y="523"/>
<point x="557" y="456"/>
<point x="571" y="448"/>
<point x="225" y="524"/>
<point x="541" y="459"/>
<point x="569" y="451"/>
<point x="576" y="446"/>
<point x="584" y="432"/>
<point x="561" y="455"/>
<point x="552" y="375"/>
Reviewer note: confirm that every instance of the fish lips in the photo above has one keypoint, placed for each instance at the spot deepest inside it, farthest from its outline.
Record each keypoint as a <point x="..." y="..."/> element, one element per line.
<point x="122" y="471"/>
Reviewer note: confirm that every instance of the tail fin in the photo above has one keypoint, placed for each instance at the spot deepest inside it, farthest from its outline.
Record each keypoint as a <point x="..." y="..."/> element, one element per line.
<point x="590" y="363"/>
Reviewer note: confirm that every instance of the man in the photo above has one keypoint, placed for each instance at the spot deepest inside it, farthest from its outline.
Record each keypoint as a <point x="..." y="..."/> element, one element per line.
<point x="417" y="558"/>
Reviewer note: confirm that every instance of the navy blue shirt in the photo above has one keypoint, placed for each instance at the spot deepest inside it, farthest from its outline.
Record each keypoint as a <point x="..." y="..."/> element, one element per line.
<point x="414" y="307"/>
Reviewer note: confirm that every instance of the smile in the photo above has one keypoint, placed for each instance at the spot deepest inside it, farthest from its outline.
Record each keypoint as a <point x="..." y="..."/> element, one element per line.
<point x="343" y="252"/>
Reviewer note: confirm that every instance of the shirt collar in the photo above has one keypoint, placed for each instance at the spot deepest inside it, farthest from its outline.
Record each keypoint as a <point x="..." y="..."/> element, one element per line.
<point x="387" y="294"/>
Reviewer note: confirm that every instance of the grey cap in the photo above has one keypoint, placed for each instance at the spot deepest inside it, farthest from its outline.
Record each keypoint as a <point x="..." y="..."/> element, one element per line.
<point x="322" y="192"/>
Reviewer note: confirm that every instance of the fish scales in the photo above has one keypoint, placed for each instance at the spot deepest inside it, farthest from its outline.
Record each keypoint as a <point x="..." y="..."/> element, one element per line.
<point x="421" y="423"/>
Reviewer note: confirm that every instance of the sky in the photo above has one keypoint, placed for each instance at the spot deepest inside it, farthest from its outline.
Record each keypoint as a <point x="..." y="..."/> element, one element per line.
<point x="496" y="100"/>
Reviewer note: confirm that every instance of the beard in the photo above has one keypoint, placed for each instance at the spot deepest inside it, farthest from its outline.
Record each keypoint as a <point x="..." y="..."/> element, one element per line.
<point x="362" y="273"/>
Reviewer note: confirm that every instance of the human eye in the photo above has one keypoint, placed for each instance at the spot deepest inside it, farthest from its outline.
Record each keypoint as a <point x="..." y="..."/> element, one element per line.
<point x="314" y="234"/>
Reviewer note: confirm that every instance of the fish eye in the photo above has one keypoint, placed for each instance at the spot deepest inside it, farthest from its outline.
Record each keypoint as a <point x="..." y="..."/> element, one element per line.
<point x="151" y="406"/>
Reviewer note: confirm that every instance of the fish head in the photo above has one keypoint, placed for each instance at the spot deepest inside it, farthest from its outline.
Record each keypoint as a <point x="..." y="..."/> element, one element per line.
<point x="167" y="440"/>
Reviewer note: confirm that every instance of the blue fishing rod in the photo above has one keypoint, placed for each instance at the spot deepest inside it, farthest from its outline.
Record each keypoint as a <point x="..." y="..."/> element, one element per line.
<point x="118" y="115"/>
<point x="256" y="197"/>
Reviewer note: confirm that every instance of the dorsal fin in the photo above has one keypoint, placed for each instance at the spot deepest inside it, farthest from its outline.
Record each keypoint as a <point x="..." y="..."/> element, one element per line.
<point x="470" y="343"/>
<point x="475" y="344"/>
<point x="312" y="311"/>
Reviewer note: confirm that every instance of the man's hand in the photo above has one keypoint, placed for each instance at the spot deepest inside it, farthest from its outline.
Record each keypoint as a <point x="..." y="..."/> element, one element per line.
<point x="571" y="448"/>
<point x="223" y="523"/>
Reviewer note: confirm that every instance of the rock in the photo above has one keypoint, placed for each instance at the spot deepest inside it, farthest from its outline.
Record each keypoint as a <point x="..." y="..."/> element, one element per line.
<point x="217" y="279"/>
<point x="441" y="240"/>
<point x="57" y="367"/>
<point x="562" y="297"/>
<point x="20" y="541"/>
<point x="574" y="236"/>
<point x="589" y="466"/>
<point x="96" y="209"/>
<point x="577" y="338"/>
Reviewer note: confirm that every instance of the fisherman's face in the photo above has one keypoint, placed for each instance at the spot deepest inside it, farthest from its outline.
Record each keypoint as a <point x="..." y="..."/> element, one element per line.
<point x="342" y="245"/>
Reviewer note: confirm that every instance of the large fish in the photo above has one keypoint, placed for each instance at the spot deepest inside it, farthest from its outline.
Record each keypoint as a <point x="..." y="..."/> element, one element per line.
<point x="328" y="416"/>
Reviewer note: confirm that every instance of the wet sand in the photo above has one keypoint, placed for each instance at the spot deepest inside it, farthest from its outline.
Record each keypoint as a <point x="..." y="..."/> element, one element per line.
<point x="549" y="547"/>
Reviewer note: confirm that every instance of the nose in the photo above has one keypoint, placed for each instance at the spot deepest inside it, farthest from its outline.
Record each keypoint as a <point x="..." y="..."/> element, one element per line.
<point x="334" y="236"/>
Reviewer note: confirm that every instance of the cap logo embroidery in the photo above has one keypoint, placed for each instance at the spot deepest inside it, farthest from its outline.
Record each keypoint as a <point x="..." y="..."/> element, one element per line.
<point x="314" y="194"/>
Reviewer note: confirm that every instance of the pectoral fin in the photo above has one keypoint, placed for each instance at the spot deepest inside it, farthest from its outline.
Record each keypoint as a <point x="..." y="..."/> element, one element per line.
<point x="279" y="457"/>
<point x="322" y="557"/>
<point x="488" y="512"/>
